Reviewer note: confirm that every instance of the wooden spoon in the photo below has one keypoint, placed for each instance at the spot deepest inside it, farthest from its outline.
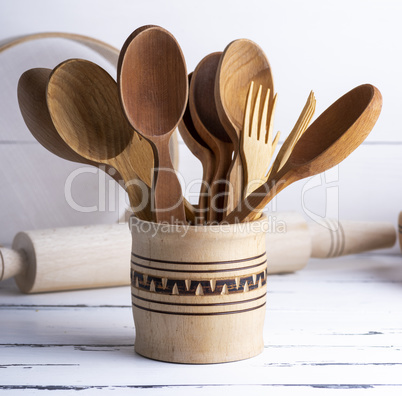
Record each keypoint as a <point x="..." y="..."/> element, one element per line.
<point x="242" y="61"/>
<point x="84" y="107"/>
<point x="152" y="79"/>
<point x="206" y="121"/>
<point x="202" y="151"/>
<point x="337" y="132"/>
<point x="31" y="94"/>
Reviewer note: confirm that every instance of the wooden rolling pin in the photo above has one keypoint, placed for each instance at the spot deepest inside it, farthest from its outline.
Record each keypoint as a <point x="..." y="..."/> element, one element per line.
<point x="291" y="250"/>
<point x="99" y="256"/>
<point x="68" y="258"/>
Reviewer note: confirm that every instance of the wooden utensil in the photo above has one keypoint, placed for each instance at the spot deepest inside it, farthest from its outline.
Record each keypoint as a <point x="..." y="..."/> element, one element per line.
<point x="256" y="144"/>
<point x="96" y="256"/>
<point x="152" y="79"/>
<point x="329" y="140"/>
<point x="298" y="130"/>
<point x="200" y="149"/>
<point x="332" y="238"/>
<point x="32" y="87"/>
<point x="242" y="61"/>
<point x="68" y="258"/>
<point x="31" y="92"/>
<point x="85" y="109"/>
<point x="206" y="121"/>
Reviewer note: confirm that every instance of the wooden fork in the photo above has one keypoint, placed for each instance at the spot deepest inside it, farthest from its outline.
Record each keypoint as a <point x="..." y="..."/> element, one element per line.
<point x="300" y="127"/>
<point x="256" y="144"/>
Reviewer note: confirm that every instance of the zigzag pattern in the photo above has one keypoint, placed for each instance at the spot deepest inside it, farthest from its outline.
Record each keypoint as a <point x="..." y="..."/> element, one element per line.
<point x="198" y="288"/>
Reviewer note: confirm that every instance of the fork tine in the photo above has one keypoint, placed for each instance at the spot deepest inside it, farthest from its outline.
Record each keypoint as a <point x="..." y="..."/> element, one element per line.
<point x="263" y="122"/>
<point x="311" y="103"/>
<point x="273" y="148"/>
<point x="256" y="112"/>
<point x="275" y="142"/>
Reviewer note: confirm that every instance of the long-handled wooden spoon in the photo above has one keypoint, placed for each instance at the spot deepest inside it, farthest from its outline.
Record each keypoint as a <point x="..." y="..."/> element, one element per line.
<point x="242" y="61"/>
<point x="201" y="150"/>
<point x="31" y="94"/>
<point x="85" y="109"/>
<point x="206" y="121"/>
<point x="153" y="84"/>
<point x="337" y="132"/>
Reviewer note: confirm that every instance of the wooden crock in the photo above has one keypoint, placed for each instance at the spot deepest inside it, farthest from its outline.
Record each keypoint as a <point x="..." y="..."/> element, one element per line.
<point x="198" y="292"/>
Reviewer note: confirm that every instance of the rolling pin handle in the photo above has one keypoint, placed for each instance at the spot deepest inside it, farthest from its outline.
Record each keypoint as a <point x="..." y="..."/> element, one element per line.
<point x="12" y="263"/>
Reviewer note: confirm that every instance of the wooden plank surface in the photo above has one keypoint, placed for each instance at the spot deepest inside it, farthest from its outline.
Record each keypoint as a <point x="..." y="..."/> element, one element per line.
<point x="334" y="327"/>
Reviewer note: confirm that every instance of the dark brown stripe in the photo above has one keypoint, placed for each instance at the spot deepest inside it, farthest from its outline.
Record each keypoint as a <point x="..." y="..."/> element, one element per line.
<point x="197" y="262"/>
<point x="197" y="271"/>
<point x="205" y="284"/>
<point x="199" y="305"/>
<point x="200" y="314"/>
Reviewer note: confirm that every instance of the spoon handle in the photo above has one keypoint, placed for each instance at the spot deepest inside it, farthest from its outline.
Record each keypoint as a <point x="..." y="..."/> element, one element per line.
<point x="235" y="182"/>
<point x="220" y="186"/>
<point x="168" y="197"/>
<point x="250" y="208"/>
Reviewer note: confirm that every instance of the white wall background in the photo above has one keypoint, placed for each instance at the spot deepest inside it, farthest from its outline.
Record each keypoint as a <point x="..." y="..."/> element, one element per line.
<point x="327" y="46"/>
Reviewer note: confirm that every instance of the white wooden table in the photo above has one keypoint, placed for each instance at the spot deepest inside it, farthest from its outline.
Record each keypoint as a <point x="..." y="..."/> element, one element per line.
<point x="333" y="328"/>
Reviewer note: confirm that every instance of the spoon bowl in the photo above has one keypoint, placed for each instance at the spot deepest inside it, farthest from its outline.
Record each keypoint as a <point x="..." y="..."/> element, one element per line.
<point x="85" y="109"/>
<point x="31" y="94"/>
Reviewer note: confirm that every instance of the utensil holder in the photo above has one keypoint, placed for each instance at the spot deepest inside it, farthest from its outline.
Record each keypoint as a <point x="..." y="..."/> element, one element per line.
<point x="198" y="292"/>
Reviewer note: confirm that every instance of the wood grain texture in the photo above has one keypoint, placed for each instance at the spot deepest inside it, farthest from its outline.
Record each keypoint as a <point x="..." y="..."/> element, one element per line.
<point x="242" y="61"/>
<point x="152" y="79"/>
<point x="100" y="133"/>
<point x="256" y="144"/>
<point x="183" y="298"/>
<point x="206" y="120"/>
<point x="202" y="151"/>
<point x="106" y="50"/>
<point x="32" y="171"/>
<point x="329" y="140"/>
<point x="32" y="87"/>
<point x="313" y="343"/>
<point x="72" y="258"/>
<point x="300" y="127"/>
<point x="333" y="238"/>
<point x="83" y="248"/>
